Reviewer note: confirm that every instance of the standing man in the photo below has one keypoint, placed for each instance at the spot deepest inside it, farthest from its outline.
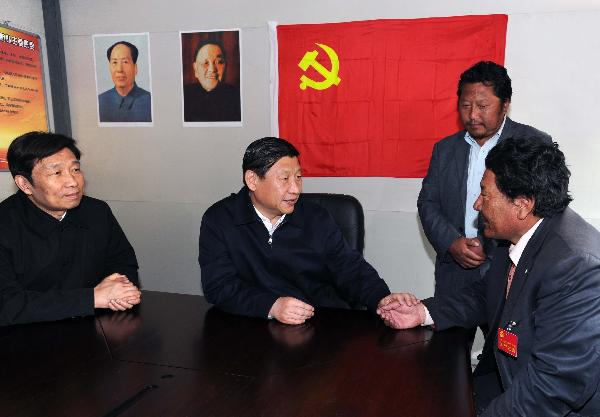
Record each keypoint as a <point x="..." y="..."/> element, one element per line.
<point x="451" y="186"/>
<point x="126" y="102"/>
<point x="540" y="296"/>
<point x="266" y="253"/>
<point x="211" y="99"/>
<point x="62" y="254"/>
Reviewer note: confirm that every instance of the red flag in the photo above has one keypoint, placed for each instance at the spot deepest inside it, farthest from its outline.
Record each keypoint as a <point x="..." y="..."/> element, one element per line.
<point x="389" y="98"/>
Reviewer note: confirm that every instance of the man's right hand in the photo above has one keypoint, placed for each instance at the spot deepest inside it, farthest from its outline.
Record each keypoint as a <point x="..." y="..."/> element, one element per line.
<point x="290" y="310"/>
<point x="401" y="316"/>
<point x="116" y="292"/>
<point x="468" y="252"/>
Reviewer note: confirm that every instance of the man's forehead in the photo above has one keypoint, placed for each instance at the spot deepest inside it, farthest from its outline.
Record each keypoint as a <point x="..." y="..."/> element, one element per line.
<point x="210" y="50"/>
<point x="286" y="164"/>
<point x="65" y="155"/>
<point x="120" y="51"/>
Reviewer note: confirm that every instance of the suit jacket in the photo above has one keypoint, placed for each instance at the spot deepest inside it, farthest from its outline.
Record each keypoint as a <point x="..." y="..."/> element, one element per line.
<point x="442" y="200"/>
<point x="555" y="302"/>
<point x="308" y="259"/>
<point x="49" y="268"/>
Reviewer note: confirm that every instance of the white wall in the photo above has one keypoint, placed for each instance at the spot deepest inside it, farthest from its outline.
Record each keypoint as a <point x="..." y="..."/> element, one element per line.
<point x="160" y="180"/>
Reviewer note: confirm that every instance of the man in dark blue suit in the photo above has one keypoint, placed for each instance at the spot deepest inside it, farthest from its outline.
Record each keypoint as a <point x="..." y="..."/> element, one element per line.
<point x="266" y="253"/>
<point x="451" y="186"/>
<point x="540" y="297"/>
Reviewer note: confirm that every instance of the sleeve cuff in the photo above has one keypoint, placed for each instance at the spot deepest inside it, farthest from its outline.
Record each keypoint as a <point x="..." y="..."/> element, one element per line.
<point x="428" y="319"/>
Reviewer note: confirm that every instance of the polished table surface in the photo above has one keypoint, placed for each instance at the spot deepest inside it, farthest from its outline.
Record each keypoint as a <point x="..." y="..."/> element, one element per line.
<point x="174" y="355"/>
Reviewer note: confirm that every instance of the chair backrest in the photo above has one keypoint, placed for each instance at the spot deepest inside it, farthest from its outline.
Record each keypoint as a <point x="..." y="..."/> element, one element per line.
<point x="347" y="213"/>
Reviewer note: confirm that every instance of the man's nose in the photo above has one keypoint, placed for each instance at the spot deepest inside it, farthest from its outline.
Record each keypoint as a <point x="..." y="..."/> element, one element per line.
<point x="474" y="113"/>
<point x="296" y="187"/>
<point x="477" y="203"/>
<point x="70" y="180"/>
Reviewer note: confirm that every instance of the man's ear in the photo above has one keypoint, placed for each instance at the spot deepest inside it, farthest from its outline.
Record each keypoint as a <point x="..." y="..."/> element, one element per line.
<point x="505" y="107"/>
<point x="23" y="184"/>
<point x="525" y="206"/>
<point x="251" y="179"/>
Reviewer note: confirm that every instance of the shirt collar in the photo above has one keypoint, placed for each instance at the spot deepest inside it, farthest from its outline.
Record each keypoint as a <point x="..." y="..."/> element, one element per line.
<point x="493" y="140"/>
<point x="270" y="226"/>
<point x="515" y="251"/>
<point x="245" y="212"/>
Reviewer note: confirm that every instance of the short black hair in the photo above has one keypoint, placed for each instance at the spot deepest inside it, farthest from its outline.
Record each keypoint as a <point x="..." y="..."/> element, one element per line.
<point x="210" y="41"/>
<point x="489" y="74"/>
<point x="132" y="48"/>
<point x="263" y="153"/>
<point x="28" y="149"/>
<point x="532" y="168"/>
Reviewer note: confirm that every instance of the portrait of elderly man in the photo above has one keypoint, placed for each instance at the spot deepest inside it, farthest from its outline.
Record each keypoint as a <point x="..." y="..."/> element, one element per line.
<point x="540" y="296"/>
<point x="62" y="254"/>
<point x="208" y="97"/>
<point x="264" y="252"/>
<point x="126" y="101"/>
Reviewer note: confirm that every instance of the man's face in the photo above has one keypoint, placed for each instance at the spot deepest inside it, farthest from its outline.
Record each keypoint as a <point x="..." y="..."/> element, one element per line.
<point x="500" y="213"/>
<point x="122" y="68"/>
<point x="209" y="66"/>
<point x="278" y="192"/>
<point x="481" y="112"/>
<point x="57" y="183"/>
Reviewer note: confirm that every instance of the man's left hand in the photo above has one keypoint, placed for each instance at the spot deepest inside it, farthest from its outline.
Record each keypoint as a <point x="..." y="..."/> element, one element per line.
<point x="402" y="316"/>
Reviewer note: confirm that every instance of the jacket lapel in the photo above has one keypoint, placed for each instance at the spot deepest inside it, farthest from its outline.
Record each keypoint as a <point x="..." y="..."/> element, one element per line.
<point x="526" y="266"/>
<point x="461" y="165"/>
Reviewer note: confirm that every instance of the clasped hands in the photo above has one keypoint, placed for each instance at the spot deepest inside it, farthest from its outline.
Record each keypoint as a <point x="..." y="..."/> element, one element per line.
<point x="401" y="311"/>
<point x="117" y="293"/>
<point x="397" y="310"/>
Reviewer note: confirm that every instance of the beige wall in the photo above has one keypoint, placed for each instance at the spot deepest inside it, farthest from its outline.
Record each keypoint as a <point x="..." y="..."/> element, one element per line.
<point x="160" y="180"/>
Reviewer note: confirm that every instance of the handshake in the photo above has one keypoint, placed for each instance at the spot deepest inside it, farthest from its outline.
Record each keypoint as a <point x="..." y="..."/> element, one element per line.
<point x="401" y="311"/>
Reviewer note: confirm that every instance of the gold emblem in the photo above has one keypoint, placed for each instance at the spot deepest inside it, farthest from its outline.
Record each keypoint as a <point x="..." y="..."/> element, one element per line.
<point x="330" y="76"/>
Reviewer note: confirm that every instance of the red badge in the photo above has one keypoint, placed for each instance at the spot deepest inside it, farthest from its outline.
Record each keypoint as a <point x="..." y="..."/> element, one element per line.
<point x="507" y="342"/>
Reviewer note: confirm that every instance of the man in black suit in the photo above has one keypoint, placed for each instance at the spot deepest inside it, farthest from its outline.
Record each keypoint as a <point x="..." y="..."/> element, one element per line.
<point x="62" y="254"/>
<point x="540" y="297"/>
<point x="451" y="186"/>
<point x="266" y="253"/>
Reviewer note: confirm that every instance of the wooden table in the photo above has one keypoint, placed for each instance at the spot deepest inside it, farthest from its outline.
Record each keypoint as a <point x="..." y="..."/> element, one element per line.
<point x="175" y="356"/>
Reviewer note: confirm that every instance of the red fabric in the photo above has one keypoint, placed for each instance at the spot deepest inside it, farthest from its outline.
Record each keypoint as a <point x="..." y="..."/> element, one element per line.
<point x="396" y="97"/>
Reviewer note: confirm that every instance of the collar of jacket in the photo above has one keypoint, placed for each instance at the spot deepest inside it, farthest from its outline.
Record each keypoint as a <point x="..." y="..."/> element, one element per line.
<point x="244" y="210"/>
<point x="41" y="222"/>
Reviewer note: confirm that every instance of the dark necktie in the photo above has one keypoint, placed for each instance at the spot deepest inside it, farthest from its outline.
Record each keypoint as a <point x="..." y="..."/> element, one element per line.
<point x="511" y="274"/>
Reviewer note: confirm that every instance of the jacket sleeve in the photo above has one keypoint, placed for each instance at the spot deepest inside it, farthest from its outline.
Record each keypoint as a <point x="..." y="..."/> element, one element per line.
<point x="120" y="256"/>
<point x="221" y="284"/>
<point x="466" y="308"/>
<point x="437" y="227"/>
<point x="562" y="374"/>
<point x="354" y="277"/>
<point x="19" y="305"/>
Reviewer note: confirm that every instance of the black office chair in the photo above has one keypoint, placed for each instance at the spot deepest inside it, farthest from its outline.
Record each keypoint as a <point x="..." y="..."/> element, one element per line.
<point x="347" y="213"/>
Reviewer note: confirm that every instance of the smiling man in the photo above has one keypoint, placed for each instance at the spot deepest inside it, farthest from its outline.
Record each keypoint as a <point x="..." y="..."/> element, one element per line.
<point x="62" y="254"/>
<point x="451" y="186"/>
<point x="211" y="99"/>
<point x="540" y="297"/>
<point x="266" y="253"/>
<point x="126" y="102"/>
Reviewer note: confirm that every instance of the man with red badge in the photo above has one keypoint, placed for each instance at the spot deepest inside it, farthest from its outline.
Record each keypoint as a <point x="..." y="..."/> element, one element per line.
<point x="540" y="297"/>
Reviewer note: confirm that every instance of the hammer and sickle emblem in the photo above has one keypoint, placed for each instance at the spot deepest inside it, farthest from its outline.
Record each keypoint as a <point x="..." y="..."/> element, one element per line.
<point x="331" y="76"/>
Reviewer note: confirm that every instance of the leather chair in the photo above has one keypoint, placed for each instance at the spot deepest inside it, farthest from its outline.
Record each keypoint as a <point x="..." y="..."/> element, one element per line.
<point x="347" y="213"/>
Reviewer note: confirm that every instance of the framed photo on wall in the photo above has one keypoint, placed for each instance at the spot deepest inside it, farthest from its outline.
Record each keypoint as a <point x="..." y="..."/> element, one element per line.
<point x="211" y="78"/>
<point x="123" y="79"/>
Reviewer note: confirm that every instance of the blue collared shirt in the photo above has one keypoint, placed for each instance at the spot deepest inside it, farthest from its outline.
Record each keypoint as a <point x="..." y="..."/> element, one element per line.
<point x="477" y="155"/>
<point x="134" y="107"/>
